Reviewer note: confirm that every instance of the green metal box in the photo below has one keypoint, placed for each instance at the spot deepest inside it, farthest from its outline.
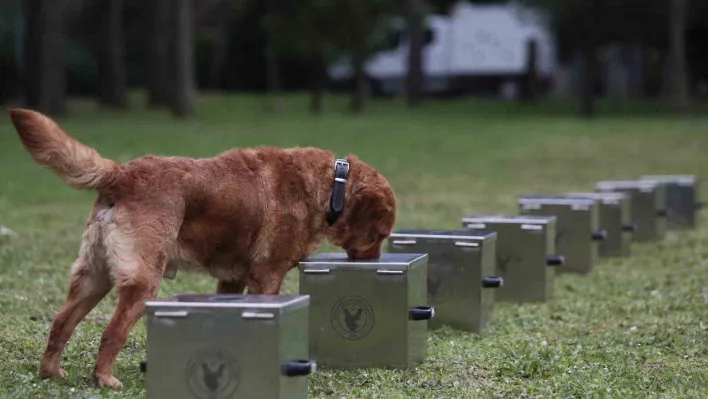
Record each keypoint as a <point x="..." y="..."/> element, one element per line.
<point x="525" y="249"/>
<point x="578" y="229"/>
<point x="228" y="346"/>
<point x="616" y="218"/>
<point x="648" y="206"/>
<point x="367" y="313"/>
<point x="461" y="266"/>
<point x="682" y="203"/>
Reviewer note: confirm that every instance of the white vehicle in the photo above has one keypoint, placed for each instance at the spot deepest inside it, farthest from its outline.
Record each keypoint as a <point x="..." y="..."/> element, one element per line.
<point x="476" y="48"/>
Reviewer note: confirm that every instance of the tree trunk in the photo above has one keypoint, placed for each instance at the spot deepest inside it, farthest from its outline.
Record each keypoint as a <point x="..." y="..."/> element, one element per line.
<point x="46" y="62"/>
<point x="319" y="77"/>
<point x="586" y="105"/>
<point x="159" y="54"/>
<point x="271" y="59"/>
<point x="529" y="86"/>
<point x="678" y="74"/>
<point x="359" y="93"/>
<point x="183" y="102"/>
<point x="416" y="34"/>
<point x="226" y="10"/>
<point x="111" y="67"/>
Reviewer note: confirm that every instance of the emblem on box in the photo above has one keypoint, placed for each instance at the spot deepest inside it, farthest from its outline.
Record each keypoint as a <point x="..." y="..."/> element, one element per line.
<point x="212" y="374"/>
<point x="352" y="317"/>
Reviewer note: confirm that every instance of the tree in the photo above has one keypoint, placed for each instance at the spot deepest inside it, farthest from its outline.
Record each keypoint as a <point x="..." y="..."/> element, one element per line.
<point x="111" y="66"/>
<point x="307" y="28"/>
<point x="45" y="59"/>
<point x="159" y="43"/>
<point x="415" y="18"/>
<point x="362" y="27"/>
<point x="272" y="73"/>
<point x="678" y="74"/>
<point x="183" y="101"/>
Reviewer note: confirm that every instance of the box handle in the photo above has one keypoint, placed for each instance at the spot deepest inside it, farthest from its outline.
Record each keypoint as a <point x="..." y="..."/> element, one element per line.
<point x="631" y="228"/>
<point x="297" y="368"/>
<point x="555" y="260"/>
<point x="257" y="316"/>
<point x="171" y="313"/>
<point x="599" y="235"/>
<point x="466" y="244"/>
<point x="662" y="213"/>
<point x="143" y="366"/>
<point x="421" y="313"/>
<point x="404" y="242"/>
<point x="385" y="271"/>
<point x="699" y="205"/>
<point x="492" y="282"/>
<point x="316" y="271"/>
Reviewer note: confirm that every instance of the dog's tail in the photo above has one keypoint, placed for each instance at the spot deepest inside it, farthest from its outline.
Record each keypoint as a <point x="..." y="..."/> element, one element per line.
<point x="78" y="165"/>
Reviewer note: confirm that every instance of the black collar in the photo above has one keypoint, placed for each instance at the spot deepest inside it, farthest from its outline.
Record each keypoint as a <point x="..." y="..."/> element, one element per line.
<point x="336" y="200"/>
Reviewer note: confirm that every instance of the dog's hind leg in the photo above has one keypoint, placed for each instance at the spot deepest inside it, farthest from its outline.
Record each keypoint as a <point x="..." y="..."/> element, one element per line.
<point x="89" y="284"/>
<point x="137" y="252"/>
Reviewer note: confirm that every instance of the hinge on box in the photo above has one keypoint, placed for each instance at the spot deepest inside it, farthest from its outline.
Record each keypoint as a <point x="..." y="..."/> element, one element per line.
<point x="384" y="271"/>
<point x="467" y="244"/>
<point x="256" y="315"/>
<point x="168" y="313"/>
<point x="316" y="271"/>
<point x="404" y="242"/>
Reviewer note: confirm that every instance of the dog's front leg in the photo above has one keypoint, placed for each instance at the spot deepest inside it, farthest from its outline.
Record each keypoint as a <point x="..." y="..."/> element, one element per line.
<point x="266" y="280"/>
<point x="231" y="287"/>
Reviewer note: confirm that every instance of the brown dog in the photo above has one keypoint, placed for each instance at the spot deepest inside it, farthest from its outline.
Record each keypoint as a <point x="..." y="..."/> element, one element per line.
<point x="245" y="217"/>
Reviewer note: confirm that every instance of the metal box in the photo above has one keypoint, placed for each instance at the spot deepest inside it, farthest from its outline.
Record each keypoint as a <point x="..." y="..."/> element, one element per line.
<point x="525" y="249"/>
<point x="616" y="218"/>
<point x="648" y="206"/>
<point x="367" y="313"/>
<point x="578" y="229"/>
<point x="228" y="346"/>
<point x="461" y="267"/>
<point x="682" y="203"/>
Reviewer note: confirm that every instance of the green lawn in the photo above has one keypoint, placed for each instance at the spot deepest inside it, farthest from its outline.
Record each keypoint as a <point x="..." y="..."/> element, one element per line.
<point x="636" y="327"/>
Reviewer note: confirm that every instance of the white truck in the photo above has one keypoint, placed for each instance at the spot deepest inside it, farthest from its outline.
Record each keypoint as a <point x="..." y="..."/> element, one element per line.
<point x="477" y="48"/>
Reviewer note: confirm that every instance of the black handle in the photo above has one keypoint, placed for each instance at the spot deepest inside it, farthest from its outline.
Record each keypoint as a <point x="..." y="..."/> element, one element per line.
<point x="632" y="227"/>
<point x="555" y="260"/>
<point x="297" y="368"/>
<point x="421" y="313"/>
<point x="699" y="205"/>
<point x="662" y="213"/>
<point x="599" y="235"/>
<point x="143" y="366"/>
<point x="492" y="282"/>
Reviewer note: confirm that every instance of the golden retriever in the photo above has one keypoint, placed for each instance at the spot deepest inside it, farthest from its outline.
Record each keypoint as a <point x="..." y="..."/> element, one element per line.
<point x="244" y="217"/>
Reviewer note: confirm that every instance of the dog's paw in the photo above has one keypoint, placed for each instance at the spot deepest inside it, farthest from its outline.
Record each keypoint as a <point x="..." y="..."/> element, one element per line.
<point x="57" y="374"/>
<point x="107" y="381"/>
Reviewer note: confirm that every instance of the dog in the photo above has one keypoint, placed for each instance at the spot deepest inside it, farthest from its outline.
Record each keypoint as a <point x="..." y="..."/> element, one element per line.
<point x="245" y="217"/>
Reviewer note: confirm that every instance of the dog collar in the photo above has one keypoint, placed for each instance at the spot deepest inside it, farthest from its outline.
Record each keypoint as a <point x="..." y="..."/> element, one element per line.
<point x="336" y="199"/>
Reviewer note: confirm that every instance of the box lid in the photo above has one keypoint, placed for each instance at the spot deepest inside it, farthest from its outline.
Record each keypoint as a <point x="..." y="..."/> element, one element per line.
<point x="512" y="219"/>
<point x="684" y="180"/>
<point x="340" y="261"/>
<point x="232" y="301"/>
<point x="477" y="235"/>
<point x="610" y="197"/>
<point x="626" y="185"/>
<point x="555" y="200"/>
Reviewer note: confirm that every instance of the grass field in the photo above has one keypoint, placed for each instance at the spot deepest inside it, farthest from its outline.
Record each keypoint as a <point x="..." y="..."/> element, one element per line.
<point x="635" y="327"/>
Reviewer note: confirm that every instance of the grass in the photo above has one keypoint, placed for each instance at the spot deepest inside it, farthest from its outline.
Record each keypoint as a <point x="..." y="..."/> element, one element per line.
<point x="635" y="327"/>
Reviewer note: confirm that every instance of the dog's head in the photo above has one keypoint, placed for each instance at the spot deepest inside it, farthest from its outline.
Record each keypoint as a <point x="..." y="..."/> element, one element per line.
<point x="369" y="213"/>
